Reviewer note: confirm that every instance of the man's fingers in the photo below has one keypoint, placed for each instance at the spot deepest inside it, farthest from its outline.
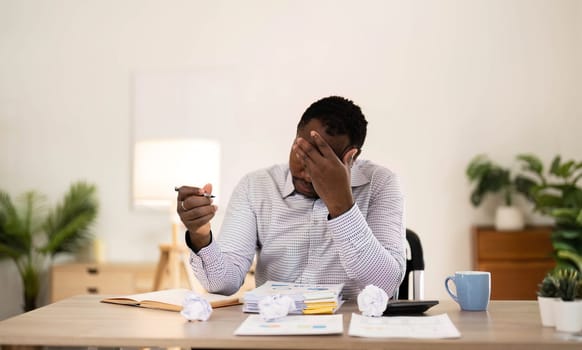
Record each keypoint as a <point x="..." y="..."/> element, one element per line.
<point x="187" y="191"/>
<point x="201" y="221"/>
<point x="298" y="148"/>
<point x="195" y="210"/>
<point x="305" y="150"/>
<point x="322" y="147"/>
<point x="192" y="202"/>
<point x="195" y="214"/>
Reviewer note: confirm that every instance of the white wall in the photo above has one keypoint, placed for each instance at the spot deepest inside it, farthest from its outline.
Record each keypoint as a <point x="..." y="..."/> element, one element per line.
<point x="439" y="81"/>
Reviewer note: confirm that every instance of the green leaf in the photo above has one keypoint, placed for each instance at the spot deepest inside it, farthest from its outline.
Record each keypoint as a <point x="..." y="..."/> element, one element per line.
<point x="567" y="234"/>
<point x="572" y="196"/>
<point x="545" y="202"/>
<point x="13" y="233"/>
<point x="565" y="170"/>
<point x="525" y="186"/>
<point x="562" y="246"/>
<point x="532" y="163"/>
<point x="488" y="178"/>
<point x="495" y="180"/>
<point x="69" y="237"/>
<point x="478" y="166"/>
<point x="572" y="256"/>
<point x="555" y="167"/>
<point x="7" y="251"/>
<point x="67" y="226"/>
<point x="564" y="213"/>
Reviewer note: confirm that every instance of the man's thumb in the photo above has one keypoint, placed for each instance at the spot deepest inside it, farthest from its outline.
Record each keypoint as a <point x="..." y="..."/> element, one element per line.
<point x="207" y="188"/>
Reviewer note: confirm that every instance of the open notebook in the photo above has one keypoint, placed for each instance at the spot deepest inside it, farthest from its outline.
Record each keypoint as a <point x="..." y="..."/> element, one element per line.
<point x="169" y="299"/>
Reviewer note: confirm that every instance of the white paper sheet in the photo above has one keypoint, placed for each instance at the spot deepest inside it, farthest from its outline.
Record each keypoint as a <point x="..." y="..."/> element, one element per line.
<point x="292" y="325"/>
<point x="421" y="327"/>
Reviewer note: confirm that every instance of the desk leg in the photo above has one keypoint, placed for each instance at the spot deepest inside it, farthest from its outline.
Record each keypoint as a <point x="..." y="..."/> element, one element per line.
<point x="161" y="269"/>
<point x="174" y="265"/>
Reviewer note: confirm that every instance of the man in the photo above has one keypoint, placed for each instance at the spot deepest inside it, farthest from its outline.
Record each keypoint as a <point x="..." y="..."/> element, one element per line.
<point x="325" y="217"/>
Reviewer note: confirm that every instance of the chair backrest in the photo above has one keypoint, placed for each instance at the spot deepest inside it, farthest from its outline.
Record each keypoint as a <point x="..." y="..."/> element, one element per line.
<point x="414" y="268"/>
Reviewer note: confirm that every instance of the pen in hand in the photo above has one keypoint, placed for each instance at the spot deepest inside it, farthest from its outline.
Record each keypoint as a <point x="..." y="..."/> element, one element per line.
<point x="207" y="195"/>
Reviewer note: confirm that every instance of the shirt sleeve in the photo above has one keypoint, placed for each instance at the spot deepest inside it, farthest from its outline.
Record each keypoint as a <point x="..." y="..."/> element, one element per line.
<point x="189" y="242"/>
<point x="222" y="265"/>
<point x="372" y="248"/>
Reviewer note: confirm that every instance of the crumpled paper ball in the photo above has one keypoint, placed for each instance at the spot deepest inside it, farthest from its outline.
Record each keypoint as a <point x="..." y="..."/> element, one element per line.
<point x="372" y="301"/>
<point x="273" y="307"/>
<point x="196" y="308"/>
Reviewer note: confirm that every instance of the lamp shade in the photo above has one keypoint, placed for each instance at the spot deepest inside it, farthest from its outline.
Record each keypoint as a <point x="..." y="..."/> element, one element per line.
<point x="161" y="165"/>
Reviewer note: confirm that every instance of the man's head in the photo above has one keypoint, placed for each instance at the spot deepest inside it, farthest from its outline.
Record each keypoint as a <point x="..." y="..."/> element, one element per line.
<point x="339" y="116"/>
<point x="341" y="124"/>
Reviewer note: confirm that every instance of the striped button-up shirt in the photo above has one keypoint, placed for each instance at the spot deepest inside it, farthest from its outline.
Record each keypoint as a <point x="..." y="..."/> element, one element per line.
<point x="294" y="241"/>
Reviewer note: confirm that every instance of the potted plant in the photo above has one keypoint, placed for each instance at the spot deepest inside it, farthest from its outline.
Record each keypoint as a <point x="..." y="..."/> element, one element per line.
<point x="31" y="235"/>
<point x="547" y="296"/>
<point x="490" y="177"/>
<point x="558" y="195"/>
<point x="568" y="309"/>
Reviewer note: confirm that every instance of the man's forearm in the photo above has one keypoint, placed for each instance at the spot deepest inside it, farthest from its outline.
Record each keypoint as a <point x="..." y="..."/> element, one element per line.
<point x="364" y="258"/>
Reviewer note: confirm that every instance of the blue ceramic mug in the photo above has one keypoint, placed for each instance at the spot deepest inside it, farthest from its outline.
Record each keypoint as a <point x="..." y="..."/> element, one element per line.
<point x="473" y="289"/>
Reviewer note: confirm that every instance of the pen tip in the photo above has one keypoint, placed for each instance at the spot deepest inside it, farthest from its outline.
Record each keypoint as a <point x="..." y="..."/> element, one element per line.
<point x="176" y="188"/>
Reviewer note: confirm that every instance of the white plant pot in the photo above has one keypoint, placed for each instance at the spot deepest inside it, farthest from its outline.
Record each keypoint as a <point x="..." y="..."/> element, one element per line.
<point x="546" y="306"/>
<point x="568" y="316"/>
<point x="508" y="218"/>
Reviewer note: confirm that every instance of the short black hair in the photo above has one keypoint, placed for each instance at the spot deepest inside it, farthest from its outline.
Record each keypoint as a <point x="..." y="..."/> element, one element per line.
<point x="340" y="116"/>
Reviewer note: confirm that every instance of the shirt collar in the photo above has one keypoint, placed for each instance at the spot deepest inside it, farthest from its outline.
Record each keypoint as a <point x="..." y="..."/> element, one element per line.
<point x="359" y="178"/>
<point x="288" y="188"/>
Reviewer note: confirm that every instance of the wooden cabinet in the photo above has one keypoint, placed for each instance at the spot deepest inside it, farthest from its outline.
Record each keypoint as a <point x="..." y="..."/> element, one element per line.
<point x="104" y="278"/>
<point x="517" y="260"/>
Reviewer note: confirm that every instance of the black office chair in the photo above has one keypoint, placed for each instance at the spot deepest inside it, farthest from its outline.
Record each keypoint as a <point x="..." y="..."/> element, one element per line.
<point x="414" y="266"/>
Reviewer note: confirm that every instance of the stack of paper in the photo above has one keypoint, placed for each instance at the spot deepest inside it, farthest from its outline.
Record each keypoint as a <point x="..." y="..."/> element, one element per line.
<point x="310" y="299"/>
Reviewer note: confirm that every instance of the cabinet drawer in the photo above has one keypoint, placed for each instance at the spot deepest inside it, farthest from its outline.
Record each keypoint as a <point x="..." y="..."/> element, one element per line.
<point x="73" y="279"/>
<point x="521" y="245"/>
<point x="79" y="282"/>
<point x="515" y="280"/>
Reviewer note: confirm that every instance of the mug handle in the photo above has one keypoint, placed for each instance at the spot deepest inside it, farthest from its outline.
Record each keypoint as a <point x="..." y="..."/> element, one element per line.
<point x="450" y="278"/>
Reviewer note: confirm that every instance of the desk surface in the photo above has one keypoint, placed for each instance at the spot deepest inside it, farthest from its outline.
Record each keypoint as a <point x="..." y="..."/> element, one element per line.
<point x="84" y="321"/>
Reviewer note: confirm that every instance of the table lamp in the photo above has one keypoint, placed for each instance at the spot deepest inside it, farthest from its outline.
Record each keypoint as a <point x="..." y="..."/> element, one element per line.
<point x="159" y="166"/>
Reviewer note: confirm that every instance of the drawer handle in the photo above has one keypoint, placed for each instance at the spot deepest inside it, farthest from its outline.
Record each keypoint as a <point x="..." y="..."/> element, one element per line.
<point x="92" y="290"/>
<point x="92" y="270"/>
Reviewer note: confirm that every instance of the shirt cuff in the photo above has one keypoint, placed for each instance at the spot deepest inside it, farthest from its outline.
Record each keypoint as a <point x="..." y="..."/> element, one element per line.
<point x="189" y="242"/>
<point x="342" y="214"/>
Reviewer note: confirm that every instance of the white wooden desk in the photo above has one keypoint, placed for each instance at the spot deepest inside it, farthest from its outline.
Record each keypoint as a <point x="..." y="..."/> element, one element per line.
<point x="84" y="321"/>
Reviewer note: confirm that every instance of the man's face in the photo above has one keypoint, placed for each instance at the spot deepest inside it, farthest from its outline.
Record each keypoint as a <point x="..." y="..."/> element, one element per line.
<point x="301" y="179"/>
